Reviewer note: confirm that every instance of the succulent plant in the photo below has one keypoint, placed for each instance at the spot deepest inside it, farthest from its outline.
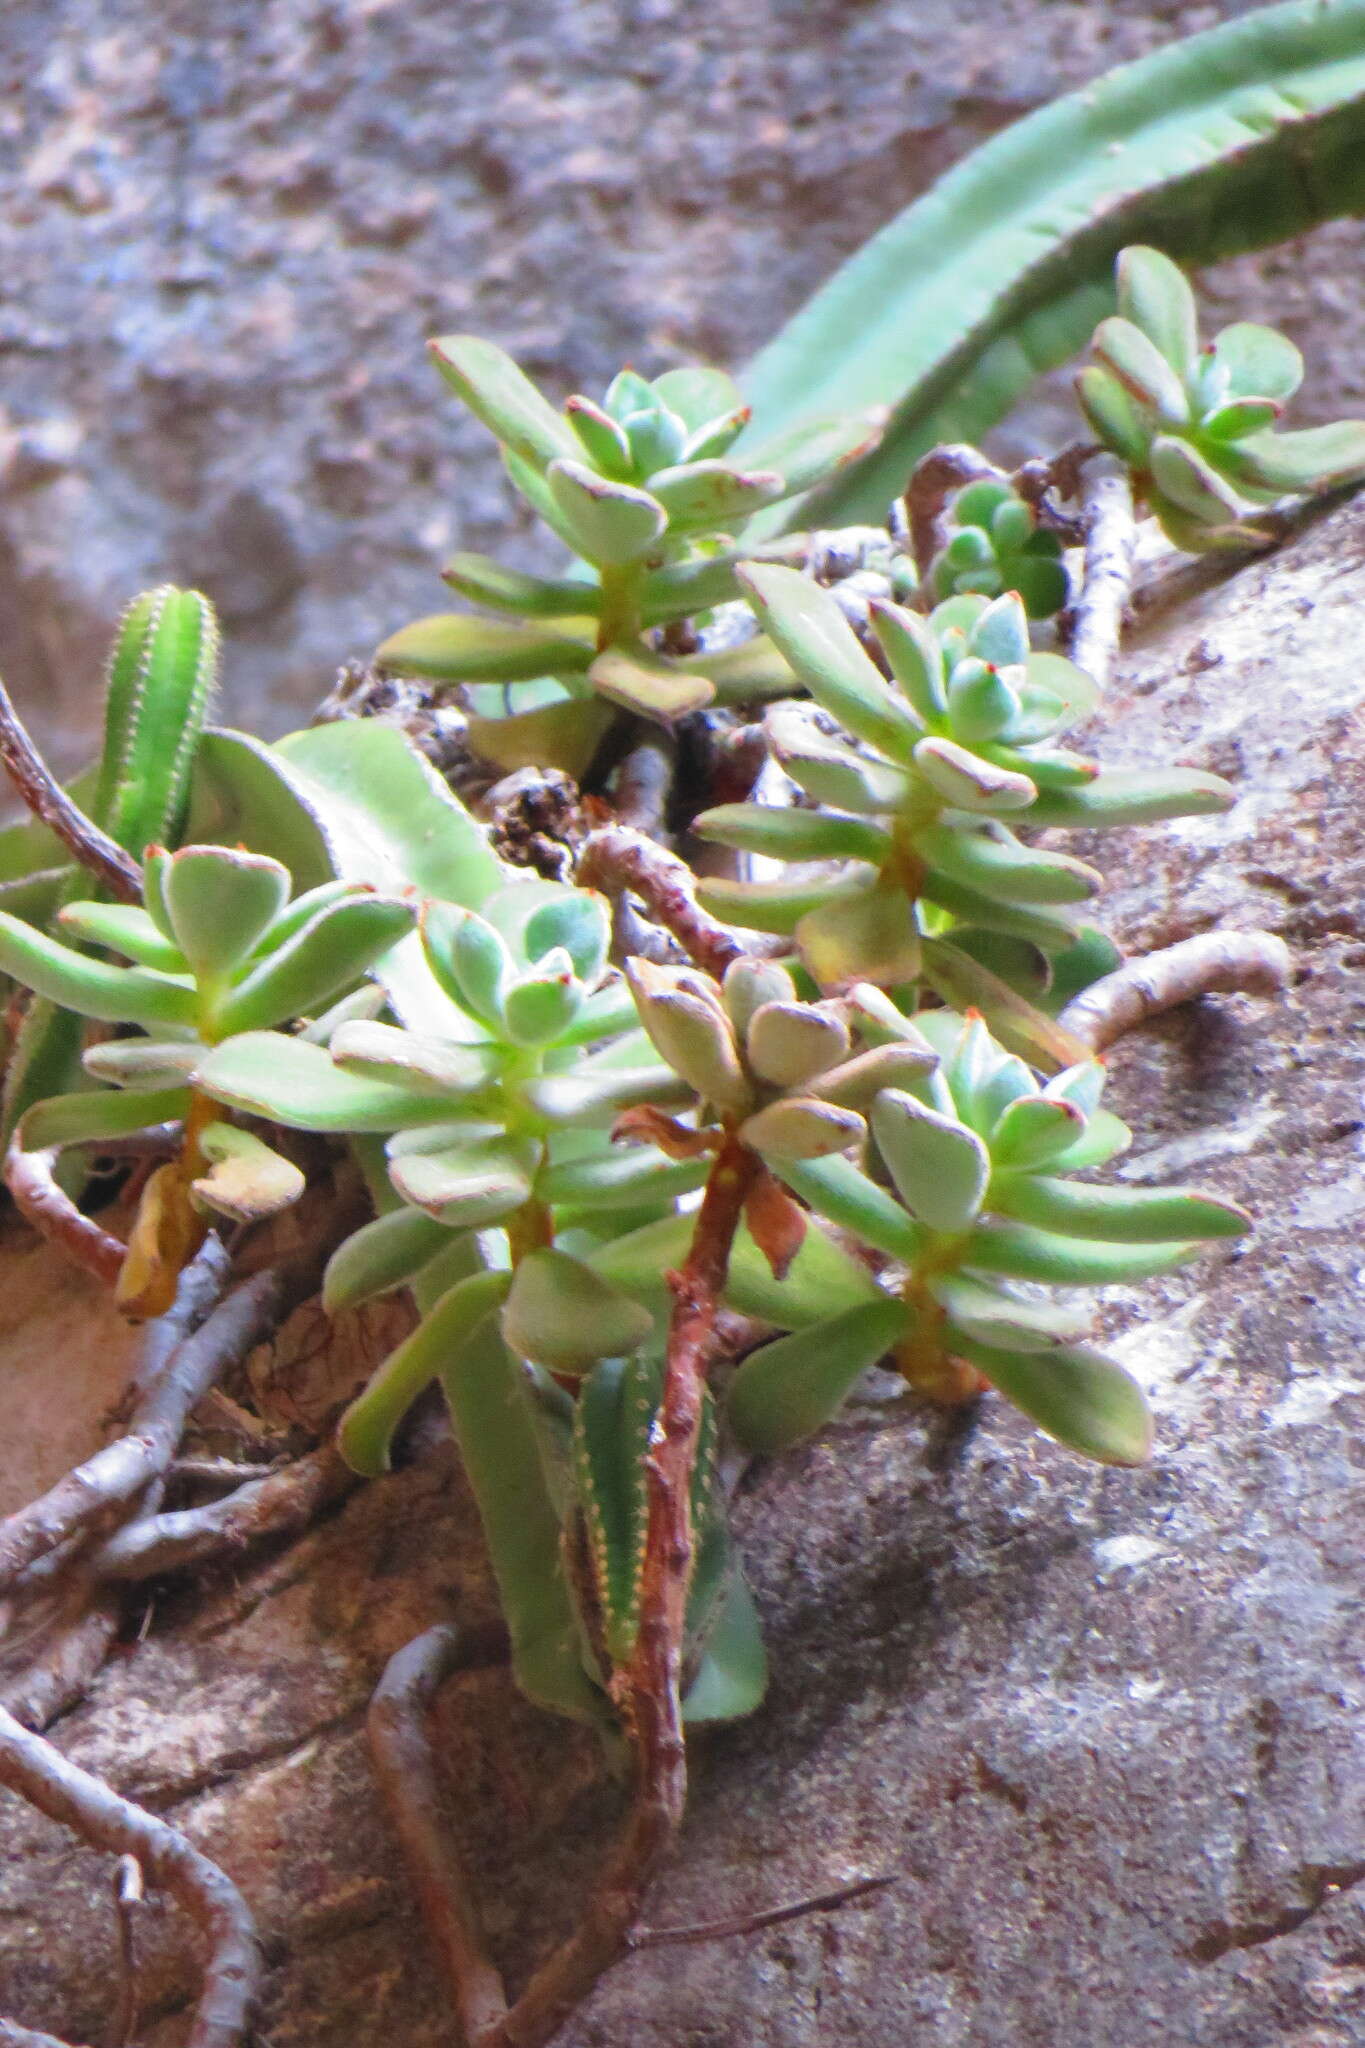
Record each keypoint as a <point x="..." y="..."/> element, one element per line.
<point x="1197" y="425"/>
<point x="919" y="793"/>
<point x="994" y="544"/>
<point x="218" y="948"/>
<point x="966" y="1187"/>
<point x="639" y="487"/>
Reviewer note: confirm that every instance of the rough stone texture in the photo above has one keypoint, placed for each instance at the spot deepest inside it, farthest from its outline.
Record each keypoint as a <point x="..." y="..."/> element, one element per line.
<point x="225" y="232"/>
<point x="1103" y="1728"/>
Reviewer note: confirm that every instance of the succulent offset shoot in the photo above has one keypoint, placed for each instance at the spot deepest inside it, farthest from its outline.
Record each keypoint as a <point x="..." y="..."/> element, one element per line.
<point x="1197" y="425"/>
<point x="980" y="1154"/>
<point x="639" y="488"/>
<point x="217" y="948"/>
<point x="993" y="544"/>
<point x="919" y="797"/>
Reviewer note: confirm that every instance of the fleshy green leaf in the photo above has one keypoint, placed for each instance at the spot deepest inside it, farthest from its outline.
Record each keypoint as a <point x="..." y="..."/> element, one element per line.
<point x="1024" y="1253"/>
<point x="1080" y="1397"/>
<point x="649" y="685"/>
<point x="563" y="1315"/>
<point x="806" y="624"/>
<point x="220" y="900"/>
<point x="382" y="1254"/>
<point x="1115" y="1215"/>
<point x="1258" y="362"/>
<point x="484" y="581"/>
<point x="456" y="647"/>
<point x="111" y="995"/>
<point x="1153" y="294"/>
<point x="788" y="1389"/>
<point x="290" y="1082"/>
<point x="612" y="523"/>
<point x="76" y="1119"/>
<point x="940" y="1168"/>
<point x="503" y="398"/>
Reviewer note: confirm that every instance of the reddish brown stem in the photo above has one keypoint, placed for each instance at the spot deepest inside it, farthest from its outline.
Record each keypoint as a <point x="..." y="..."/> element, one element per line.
<point x="648" y="1690"/>
<point x="616" y="858"/>
<point x="936" y="476"/>
<point x="47" y="800"/>
<point x="406" y="1771"/>
<point x="753" y="1923"/>
<point x="29" y="1178"/>
<point x="41" y="1774"/>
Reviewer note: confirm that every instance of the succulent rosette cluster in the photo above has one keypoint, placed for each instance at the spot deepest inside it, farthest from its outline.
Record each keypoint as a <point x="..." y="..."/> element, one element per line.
<point x="924" y="764"/>
<point x="641" y="487"/>
<point x="1197" y="425"/>
<point x="994" y="543"/>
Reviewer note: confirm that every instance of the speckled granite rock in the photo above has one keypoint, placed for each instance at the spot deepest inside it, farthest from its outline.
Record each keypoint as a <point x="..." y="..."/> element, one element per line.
<point x="1105" y="1729"/>
<point x="225" y="232"/>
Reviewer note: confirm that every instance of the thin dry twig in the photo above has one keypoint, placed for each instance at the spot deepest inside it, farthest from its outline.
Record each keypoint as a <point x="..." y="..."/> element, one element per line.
<point x="644" y="783"/>
<point x="1110" y="542"/>
<point x="1221" y="963"/>
<point x="73" y="1647"/>
<point x="129" y="1897"/>
<point x="406" y="1771"/>
<point x="648" y="1690"/>
<point x="282" y="1503"/>
<point x="63" y="1791"/>
<point x="936" y="476"/>
<point x="46" y="798"/>
<point x="615" y="858"/>
<point x="29" y="1178"/>
<point x="100" y="1490"/>
<point x="752" y="1923"/>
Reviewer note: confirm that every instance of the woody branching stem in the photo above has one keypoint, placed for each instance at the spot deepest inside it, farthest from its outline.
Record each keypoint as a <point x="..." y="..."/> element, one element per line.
<point x="48" y="801"/>
<point x="38" y="1196"/>
<point x="1212" y="963"/>
<point x="1110" y="541"/>
<point x="617" y="858"/>
<point x="41" y="1774"/>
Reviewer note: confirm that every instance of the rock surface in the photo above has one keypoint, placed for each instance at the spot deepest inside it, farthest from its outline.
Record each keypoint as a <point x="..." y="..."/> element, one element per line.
<point x="225" y="233"/>
<point x="1104" y="1729"/>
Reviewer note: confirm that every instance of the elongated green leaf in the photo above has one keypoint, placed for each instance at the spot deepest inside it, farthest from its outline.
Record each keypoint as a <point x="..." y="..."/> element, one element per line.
<point x="291" y="1082"/>
<point x="220" y="901"/>
<point x="1154" y="295"/>
<point x="563" y="1315"/>
<point x="995" y="864"/>
<point x="621" y="1180"/>
<point x="145" y="1063"/>
<point x="122" y="927"/>
<point x="805" y="623"/>
<point x="113" y="995"/>
<point x="499" y="394"/>
<point x="1134" y="797"/>
<point x="822" y="1279"/>
<point x="708" y="495"/>
<point x="1312" y="459"/>
<point x="611" y="523"/>
<point x="939" y="1166"/>
<point x="1116" y="1215"/>
<point x="484" y="581"/>
<point x="75" y="1119"/>
<point x="324" y="958"/>
<point x="839" y="1191"/>
<point x="788" y="1389"/>
<point x="380" y="1255"/>
<point x="861" y="935"/>
<point x="792" y="834"/>
<point x="649" y="685"/>
<point x="1083" y="1399"/>
<point x="456" y="647"/>
<point x="1024" y="1253"/>
<point x="1002" y="269"/>
<point x="733" y="1674"/>
<point x="988" y="1314"/>
<point x="473" y="1182"/>
<point x="1258" y="362"/>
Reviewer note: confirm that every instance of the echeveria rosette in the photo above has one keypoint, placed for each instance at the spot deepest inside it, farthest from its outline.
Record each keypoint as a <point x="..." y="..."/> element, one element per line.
<point x="504" y="1121"/>
<point x="639" y="487"/>
<point x="919" y="795"/>
<point x="1197" y="425"/>
<point x="980" y="1155"/>
<point x="779" y="1074"/>
<point x="993" y="543"/>
<point x="217" y="948"/>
